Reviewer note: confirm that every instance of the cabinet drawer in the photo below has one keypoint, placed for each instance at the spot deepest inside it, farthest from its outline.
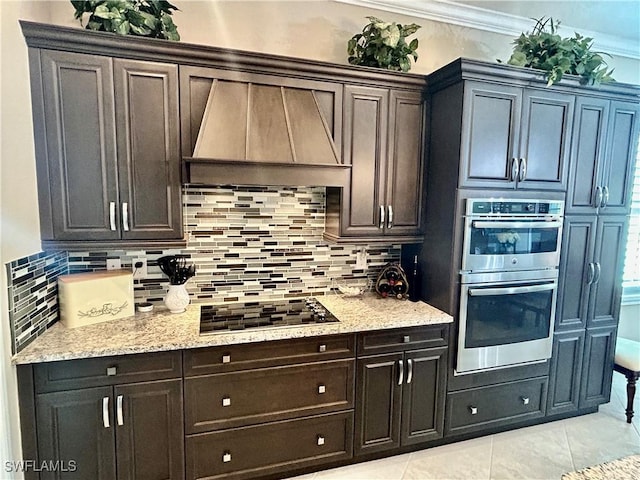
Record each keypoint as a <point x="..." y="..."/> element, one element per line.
<point x="249" y="452"/>
<point x="214" y="402"/>
<point x="92" y="372"/>
<point x="386" y="341"/>
<point x="485" y="407"/>
<point x="267" y="354"/>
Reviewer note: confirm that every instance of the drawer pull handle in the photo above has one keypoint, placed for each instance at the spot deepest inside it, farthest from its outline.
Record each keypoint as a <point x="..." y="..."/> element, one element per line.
<point x="322" y="348"/>
<point x="112" y="371"/>
<point x="105" y="412"/>
<point x="119" y="410"/>
<point x="525" y="400"/>
<point x="226" y="402"/>
<point x="406" y="339"/>
<point x="320" y="440"/>
<point x="226" y="358"/>
<point x="322" y="389"/>
<point x="473" y="410"/>
<point x="226" y="457"/>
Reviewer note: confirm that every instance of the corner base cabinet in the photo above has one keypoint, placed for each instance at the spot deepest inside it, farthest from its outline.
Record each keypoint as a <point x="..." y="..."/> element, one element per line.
<point x="99" y="423"/>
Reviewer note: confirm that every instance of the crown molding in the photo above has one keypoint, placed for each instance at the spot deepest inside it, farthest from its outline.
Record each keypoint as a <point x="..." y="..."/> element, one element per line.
<point x="491" y="21"/>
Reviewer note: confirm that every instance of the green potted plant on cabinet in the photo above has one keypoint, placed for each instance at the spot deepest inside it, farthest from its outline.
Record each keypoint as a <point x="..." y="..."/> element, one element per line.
<point x="383" y="45"/>
<point x="145" y="18"/>
<point x="544" y="49"/>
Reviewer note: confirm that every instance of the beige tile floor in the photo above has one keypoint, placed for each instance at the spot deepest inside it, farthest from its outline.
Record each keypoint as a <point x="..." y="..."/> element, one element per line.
<point x="539" y="452"/>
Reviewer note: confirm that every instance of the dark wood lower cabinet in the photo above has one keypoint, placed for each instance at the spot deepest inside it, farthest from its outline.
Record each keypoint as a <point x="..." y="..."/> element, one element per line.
<point x="257" y="450"/>
<point x="127" y="432"/>
<point x="597" y="366"/>
<point x="400" y="399"/>
<point x="476" y="409"/>
<point x="71" y="431"/>
<point x="566" y="371"/>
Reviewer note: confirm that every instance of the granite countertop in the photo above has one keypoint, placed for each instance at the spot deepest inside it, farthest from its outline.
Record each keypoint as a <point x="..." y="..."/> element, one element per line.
<point x="161" y="330"/>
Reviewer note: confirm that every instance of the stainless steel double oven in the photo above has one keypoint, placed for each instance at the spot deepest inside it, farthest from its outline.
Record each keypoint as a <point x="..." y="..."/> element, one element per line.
<point x="509" y="282"/>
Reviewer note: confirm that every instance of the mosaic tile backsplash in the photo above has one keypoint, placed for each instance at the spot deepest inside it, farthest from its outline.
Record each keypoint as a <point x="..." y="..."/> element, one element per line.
<point x="33" y="295"/>
<point x="248" y="244"/>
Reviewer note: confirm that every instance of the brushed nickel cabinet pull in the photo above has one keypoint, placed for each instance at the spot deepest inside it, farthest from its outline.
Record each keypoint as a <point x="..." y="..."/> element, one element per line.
<point x="112" y="215"/>
<point x="226" y="457"/>
<point x="320" y="440"/>
<point x="410" y="372"/>
<point x="591" y="273"/>
<point x="119" y="410"/>
<point x="105" y="412"/>
<point x="322" y="348"/>
<point x="598" y="202"/>
<point x="389" y="216"/>
<point x="112" y="371"/>
<point x="406" y="339"/>
<point x="514" y="169"/>
<point x="401" y="370"/>
<point x="598" y="272"/>
<point x="381" y="219"/>
<point x="525" y="400"/>
<point x="473" y="410"/>
<point x="522" y="173"/>
<point x="605" y="196"/>
<point x="226" y="358"/>
<point x="322" y="389"/>
<point x="226" y="402"/>
<point x="125" y="216"/>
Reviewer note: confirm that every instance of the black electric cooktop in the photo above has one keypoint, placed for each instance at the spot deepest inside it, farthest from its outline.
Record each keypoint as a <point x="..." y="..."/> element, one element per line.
<point x="279" y="313"/>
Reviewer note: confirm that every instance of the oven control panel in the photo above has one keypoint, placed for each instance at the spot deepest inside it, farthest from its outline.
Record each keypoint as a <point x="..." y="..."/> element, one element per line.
<point x="515" y="207"/>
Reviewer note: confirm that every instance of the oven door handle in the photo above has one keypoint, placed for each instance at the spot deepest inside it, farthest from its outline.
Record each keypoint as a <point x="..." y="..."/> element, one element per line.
<point x="485" y="292"/>
<point x="514" y="225"/>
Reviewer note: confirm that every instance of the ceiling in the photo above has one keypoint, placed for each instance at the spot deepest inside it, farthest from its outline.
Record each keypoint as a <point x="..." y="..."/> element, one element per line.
<point x="619" y="18"/>
<point x="613" y="24"/>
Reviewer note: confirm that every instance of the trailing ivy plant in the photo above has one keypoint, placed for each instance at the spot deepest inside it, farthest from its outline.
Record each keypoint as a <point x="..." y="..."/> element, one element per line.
<point x="383" y="45"/>
<point x="544" y="49"/>
<point x="145" y="18"/>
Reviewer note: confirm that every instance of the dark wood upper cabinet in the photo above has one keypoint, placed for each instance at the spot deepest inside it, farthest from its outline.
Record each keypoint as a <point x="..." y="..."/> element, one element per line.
<point x="148" y="149"/>
<point x="602" y="156"/>
<point x="107" y="150"/>
<point x="383" y="138"/>
<point x="515" y="137"/>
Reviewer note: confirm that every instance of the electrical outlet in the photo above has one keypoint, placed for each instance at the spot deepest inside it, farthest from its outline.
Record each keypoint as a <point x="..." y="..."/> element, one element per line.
<point x="361" y="259"/>
<point x="139" y="266"/>
<point x="113" y="263"/>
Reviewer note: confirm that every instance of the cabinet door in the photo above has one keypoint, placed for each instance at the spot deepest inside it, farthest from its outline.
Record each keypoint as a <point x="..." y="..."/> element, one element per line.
<point x="423" y="395"/>
<point x="490" y="126"/>
<point x="566" y="368"/>
<point x="547" y="118"/>
<point x="587" y="153"/>
<point x="148" y="150"/>
<point x="405" y="164"/>
<point x="622" y="139"/>
<point x="606" y="289"/>
<point x="150" y="435"/>
<point x="576" y="271"/>
<point x="365" y="145"/>
<point x="74" y="429"/>
<point x="79" y="159"/>
<point x="597" y="366"/>
<point x="379" y="390"/>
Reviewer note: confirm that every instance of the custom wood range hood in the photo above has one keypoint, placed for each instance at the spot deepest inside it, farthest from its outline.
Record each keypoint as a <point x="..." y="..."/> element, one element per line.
<point x="256" y="132"/>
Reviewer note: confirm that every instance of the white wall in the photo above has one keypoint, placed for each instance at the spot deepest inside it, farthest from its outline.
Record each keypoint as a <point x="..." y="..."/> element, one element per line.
<point x="311" y="29"/>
